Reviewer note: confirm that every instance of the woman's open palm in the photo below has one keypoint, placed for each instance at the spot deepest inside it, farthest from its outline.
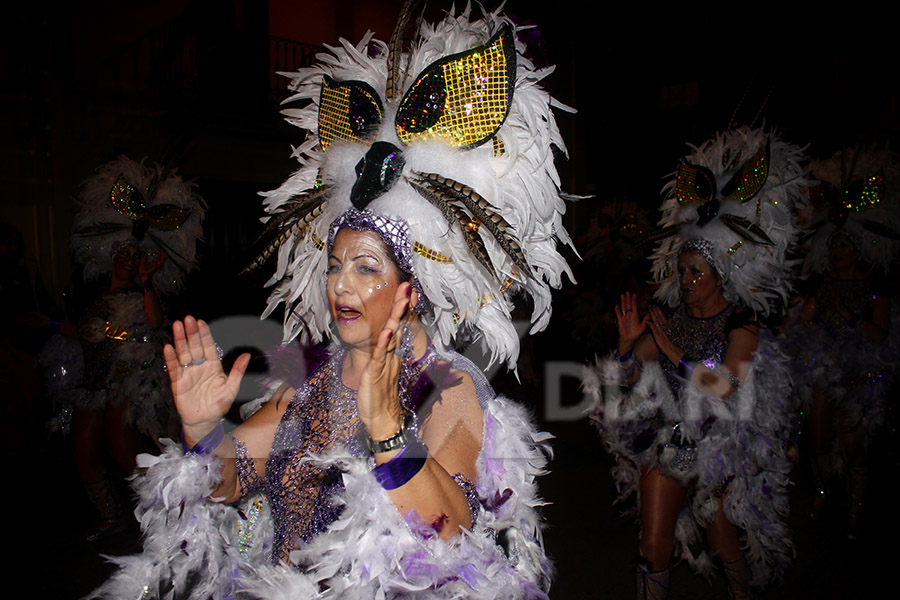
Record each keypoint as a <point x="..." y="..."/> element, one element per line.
<point x="631" y="325"/>
<point x="203" y="393"/>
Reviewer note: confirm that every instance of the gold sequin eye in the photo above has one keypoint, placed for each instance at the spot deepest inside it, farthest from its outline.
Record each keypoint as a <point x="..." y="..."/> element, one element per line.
<point x="129" y="202"/>
<point x="747" y="182"/>
<point x="348" y="110"/>
<point x="694" y="184"/>
<point x="865" y="193"/>
<point x="463" y="98"/>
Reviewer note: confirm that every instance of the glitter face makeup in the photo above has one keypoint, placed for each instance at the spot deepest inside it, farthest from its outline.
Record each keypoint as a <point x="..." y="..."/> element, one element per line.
<point x="699" y="282"/>
<point x="361" y="282"/>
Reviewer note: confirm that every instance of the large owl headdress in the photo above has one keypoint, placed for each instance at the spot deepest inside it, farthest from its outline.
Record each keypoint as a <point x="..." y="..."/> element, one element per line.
<point x="857" y="194"/>
<point x="140" y="203"/>
<point x="733" y="200"/>
<point x="451" y="140"/>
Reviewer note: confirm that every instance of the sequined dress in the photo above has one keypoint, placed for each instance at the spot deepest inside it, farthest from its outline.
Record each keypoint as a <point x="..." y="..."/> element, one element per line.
<point x="123" y="363"/>
<point x="734" y="448"/>
<point x="321" y="416"/>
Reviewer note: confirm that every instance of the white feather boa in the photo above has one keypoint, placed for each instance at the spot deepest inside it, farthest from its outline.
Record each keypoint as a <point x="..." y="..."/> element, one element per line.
<point x="191" y="548"/>
<point x="741" y="442"/>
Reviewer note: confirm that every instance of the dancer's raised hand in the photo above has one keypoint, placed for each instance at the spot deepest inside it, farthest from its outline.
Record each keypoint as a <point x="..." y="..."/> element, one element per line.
<point x="203" y="393"/>
<point x="631" y="325"/>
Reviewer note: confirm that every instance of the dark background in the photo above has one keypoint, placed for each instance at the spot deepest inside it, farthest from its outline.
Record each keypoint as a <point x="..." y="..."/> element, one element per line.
<point x="85" y="81"/>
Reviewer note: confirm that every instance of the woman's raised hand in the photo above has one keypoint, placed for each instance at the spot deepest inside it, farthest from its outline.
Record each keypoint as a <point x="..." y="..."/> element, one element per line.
<point x="631" y="325"/>
<point x="203" y="393"/>
<point x="665" y="345"/>
<point x="378" y="398"/>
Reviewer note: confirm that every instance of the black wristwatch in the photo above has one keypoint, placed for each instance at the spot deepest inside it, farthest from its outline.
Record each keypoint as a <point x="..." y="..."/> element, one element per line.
<point x="396" y="441"/>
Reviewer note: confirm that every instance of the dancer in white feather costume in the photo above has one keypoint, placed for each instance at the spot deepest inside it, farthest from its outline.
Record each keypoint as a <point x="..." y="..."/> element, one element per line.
<point x="694" y="404"/>
<point x="842" y="334"/>
<point x="421" y="204"/>
<point x="138" y="224"/>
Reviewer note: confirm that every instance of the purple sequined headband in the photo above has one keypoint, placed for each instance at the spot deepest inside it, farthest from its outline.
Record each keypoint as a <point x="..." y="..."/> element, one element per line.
<point x="394" y="233"/>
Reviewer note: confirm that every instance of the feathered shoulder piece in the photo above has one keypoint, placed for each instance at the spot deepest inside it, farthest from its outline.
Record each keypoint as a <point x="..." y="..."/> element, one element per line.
<point x="453" y="138"/>
<point x="141" y="203"/>
<point x="734" y="197"/>
<point x="856" y="194"/>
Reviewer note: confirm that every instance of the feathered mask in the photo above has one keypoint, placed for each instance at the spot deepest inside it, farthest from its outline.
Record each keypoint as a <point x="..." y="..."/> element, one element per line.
<point x="461" y="153"/>
<point x="737" y="192"/>
<point x="856" y="195"/>
<point x="140" y="203"/>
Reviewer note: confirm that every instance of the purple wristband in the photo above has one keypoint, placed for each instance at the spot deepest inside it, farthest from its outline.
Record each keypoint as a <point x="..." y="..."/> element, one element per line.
<point x="208" y="443"/>
<point x="684" y="369"/>
<point x="403" y="466"/>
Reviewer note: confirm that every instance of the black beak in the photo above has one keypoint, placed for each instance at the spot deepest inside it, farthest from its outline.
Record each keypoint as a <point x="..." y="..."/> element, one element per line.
<point x="376" y="173"/>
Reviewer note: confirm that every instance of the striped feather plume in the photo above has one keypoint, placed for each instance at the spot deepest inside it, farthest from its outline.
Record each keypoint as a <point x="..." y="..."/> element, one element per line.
<point x="293" y="220"/>
<point x="480" y="212"/>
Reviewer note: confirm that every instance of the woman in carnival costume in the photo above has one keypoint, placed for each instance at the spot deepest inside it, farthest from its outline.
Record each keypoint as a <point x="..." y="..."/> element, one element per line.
<point x="393" y="471"/>
<point x="842" y="332"/>
<point x="693" y="403"/>
<point x="137" y="224"/>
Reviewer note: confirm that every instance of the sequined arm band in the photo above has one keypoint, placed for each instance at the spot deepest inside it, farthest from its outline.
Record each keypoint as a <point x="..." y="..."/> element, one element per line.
<point x="403" y="467"/>
<point x="471" y="492"/>
<point x="248" y="477"/>
<point x="207" y="443"/>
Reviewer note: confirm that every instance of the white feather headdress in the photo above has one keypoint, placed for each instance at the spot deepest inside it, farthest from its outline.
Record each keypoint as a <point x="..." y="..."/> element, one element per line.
<point x="857" y="195"/>
<point x="737" y="192"/>
<point x="464" y="134"/>
<point x="142" y="203"/>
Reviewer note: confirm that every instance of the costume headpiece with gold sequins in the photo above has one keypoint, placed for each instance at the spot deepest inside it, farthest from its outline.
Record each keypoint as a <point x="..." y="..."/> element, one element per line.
<point x="738" y="193"/>
<point x="141" y="203"/>
<point x="453" y="138"/>
<point x="857" y="195"/>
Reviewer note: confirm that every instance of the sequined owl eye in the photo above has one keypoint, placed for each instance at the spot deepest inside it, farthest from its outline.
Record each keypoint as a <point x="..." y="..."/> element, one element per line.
<point x="348" y="110"/>
<point x="463" y="98"/>
<point x="129" y="202"/>
<point x="864" y="193"/>
<point x="697" y="184"/>
<point x="747" y="182"/>
<point x="694" y="184"/>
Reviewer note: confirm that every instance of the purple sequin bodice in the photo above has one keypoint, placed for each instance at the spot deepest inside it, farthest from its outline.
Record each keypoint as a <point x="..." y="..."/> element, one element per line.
<point x="321" y="416"/>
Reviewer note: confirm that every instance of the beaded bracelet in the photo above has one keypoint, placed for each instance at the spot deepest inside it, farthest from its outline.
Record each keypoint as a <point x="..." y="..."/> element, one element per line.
<point x="403" y="467"/>
<point x="207" y="443"/>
